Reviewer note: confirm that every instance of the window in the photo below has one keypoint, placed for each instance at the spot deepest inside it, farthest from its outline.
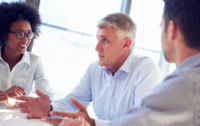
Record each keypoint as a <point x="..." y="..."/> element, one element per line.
<point x="68" y="38"/>
<point x="147" y="15"/>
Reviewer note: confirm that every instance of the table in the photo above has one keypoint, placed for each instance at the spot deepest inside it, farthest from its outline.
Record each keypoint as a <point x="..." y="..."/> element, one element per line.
<point x="9" y="117"/>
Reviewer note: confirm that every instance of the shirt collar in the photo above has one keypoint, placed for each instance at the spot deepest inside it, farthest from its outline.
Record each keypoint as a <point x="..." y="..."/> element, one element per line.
<point x="190" y="63"/>
<point x="25" y="57"/>
<point x="126" y="65"/>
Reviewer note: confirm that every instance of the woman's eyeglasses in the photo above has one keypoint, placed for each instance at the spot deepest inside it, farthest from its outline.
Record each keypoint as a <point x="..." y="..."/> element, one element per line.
<point x="21" y="35"/>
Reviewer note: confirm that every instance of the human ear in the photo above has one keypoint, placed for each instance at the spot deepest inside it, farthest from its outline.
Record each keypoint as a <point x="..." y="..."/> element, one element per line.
<point x="172" y="30"/>
<point x="127" y="43"/>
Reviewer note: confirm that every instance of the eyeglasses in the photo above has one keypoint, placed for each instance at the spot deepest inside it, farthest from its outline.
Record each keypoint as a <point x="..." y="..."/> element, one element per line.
<point x="21" y="35"/>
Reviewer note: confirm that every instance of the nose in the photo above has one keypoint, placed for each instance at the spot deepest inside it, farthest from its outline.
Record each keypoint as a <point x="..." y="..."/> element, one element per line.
<point x="98" y="47"/>
<point x="25" y="39"/>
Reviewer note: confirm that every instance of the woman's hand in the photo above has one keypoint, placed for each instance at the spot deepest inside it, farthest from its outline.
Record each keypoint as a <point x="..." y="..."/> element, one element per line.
<point x="3" y="97"/>
<point x="10" y="105"/>
<point x="15" y="90"/>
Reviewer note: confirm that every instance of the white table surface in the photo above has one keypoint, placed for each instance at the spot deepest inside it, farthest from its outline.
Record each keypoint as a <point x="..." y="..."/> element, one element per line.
<point x="9" y="117"/>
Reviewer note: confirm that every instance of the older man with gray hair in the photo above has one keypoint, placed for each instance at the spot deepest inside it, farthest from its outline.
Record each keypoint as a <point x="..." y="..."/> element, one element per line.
<point x="114" y="83"/>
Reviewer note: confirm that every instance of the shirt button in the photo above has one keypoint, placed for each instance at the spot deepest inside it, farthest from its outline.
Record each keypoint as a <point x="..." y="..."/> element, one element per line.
<point x="106" y="117"/>
<point x="108" y="99"/>
<point x="113" y="81"/>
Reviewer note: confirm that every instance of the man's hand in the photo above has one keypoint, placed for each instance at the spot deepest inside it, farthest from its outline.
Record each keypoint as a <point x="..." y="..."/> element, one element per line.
<point x="82" y="111"/>
<point x="15" y="90"/>
<point x="35" y="107"/>
<point x="80" y="121"/>
<point x="53" y="121"/>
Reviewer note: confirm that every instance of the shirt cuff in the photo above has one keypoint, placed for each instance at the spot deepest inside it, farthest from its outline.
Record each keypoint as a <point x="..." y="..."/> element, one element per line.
<point x="54" y="107"/>
<point x="99" y="122"/>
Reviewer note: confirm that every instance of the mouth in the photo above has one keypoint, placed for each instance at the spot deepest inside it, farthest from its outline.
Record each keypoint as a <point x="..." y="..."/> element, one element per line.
<point x="101" y="56"/>
<point x="23" y="45"/>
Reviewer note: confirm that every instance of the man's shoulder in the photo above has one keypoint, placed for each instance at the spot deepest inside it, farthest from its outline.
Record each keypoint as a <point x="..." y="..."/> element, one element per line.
<point x="140" y="60"/>
<point x="94" y="68"/>
<point x="186" y="73"/>
<point x="183" y="79"/>
<point x="95" y="65"/>
<point x="191" y="75"/>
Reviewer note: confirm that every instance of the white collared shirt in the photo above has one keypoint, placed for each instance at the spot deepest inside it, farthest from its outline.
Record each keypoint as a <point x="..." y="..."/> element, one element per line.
<point x="24" y="73"/>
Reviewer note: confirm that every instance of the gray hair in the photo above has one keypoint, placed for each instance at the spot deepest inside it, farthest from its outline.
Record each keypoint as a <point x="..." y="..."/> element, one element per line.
<point x="123" y="25"/>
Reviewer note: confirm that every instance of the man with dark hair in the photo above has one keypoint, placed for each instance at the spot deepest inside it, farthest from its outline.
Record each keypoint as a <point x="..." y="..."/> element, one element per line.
<point x="175" y="102"/>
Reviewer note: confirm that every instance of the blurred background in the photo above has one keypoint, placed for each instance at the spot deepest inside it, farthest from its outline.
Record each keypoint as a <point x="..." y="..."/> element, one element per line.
<point x="68" y="36"/>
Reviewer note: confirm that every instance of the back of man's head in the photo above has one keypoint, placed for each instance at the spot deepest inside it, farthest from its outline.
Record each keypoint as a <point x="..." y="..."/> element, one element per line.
<point x="123" y="25"/>
<point x="186" y="14"/>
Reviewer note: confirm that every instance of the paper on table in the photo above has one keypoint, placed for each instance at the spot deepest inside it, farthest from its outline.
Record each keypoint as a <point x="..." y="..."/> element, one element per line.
<point x="15" y="118"/>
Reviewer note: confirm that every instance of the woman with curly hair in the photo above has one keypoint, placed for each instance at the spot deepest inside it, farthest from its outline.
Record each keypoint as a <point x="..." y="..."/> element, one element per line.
<point x="19" y="25"/>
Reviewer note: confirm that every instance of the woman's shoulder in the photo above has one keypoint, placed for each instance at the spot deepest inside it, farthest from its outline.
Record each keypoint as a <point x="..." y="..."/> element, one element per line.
<point x="32" y="57"/>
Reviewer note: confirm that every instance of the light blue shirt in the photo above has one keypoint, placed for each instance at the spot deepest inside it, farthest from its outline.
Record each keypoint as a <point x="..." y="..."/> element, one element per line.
<point x="23" y="74"/>
<point x="175" y="102"/>
<point x="113" y="96"/>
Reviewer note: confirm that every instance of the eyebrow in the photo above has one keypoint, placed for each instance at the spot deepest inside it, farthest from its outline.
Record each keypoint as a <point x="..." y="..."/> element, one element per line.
<point x="21" y="30"/>
<point x="102" y="36"/>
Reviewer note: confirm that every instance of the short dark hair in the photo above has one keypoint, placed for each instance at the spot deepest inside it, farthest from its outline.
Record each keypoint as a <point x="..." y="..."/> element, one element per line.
<point x="16" y="11"/>
<point x="186" y="14"/>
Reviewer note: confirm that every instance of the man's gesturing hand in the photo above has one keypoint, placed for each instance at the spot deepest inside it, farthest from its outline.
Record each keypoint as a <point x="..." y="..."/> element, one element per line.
<point x="35" y="107"/>
<point x="80" y="121"/>
<point x="82" y="111"/>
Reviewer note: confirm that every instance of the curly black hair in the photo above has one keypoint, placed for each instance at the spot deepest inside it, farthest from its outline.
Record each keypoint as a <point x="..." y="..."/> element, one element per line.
<point x="16" y="11"/>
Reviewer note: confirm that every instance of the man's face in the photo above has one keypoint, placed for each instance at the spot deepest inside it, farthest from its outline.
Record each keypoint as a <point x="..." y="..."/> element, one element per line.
<point x="108" y="47"/>
<point x="166" y="44"/>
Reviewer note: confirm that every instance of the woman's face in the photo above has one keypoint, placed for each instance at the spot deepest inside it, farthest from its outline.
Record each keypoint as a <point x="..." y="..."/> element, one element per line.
<point x="14" y="44"/>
